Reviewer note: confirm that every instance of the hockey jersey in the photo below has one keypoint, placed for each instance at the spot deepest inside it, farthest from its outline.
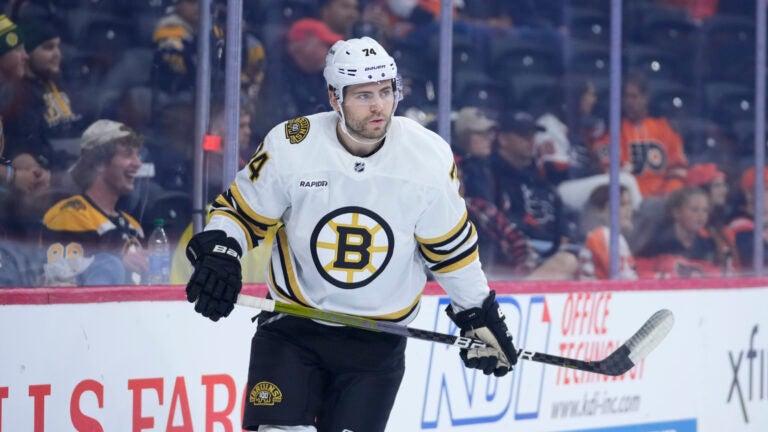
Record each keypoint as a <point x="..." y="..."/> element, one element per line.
<point x="357" y="232"/>
<point x="76" y="228"/>
<point x="655" y="153"/>
<point x="594" y="257"/>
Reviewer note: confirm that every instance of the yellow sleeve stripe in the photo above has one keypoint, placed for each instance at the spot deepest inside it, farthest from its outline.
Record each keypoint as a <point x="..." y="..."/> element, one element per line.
<point x="433" y="255"/>
<point x="287" y="266"/>
<point x="401" y="314"/>
<point x="461" y="261"/>
<point x="244" y="208"/>
<point x="226" y="201"/>
<point x="448" y="237"/>
<point x="248" y="232"/>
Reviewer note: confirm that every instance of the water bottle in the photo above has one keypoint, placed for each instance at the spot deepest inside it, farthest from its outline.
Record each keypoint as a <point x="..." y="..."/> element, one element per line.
<point x="159" y="255"/>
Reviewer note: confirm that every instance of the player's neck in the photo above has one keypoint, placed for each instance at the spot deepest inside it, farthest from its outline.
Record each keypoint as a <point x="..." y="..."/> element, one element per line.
<point x="354" y="147"/>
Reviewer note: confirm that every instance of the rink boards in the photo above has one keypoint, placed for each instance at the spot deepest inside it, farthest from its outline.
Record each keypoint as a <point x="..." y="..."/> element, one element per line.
<point x="144" y="361"/>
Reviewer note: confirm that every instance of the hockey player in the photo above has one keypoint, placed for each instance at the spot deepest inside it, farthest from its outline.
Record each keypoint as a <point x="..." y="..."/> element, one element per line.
<point x="367" y="201"/>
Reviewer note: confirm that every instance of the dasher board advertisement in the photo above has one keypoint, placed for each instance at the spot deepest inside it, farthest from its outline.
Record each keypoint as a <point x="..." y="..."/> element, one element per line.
<point x="138" y="366"/>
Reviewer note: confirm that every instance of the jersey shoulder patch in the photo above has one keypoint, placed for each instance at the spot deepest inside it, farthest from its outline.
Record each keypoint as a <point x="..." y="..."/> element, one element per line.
<point x="297" y="129"/>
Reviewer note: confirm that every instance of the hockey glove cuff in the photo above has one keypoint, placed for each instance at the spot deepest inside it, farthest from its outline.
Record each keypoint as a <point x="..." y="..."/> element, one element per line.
<point x="487" y="324"/>
<point x="217" y="278"/>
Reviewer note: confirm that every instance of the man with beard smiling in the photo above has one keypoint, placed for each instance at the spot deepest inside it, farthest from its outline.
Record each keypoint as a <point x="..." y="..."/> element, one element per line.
<point x="41" y="111"/>
<point x="369" y="202"/>
<point x="88" y="240"/>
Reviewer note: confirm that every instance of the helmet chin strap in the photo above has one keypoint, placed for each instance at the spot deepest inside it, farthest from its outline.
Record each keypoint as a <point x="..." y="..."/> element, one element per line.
<point x="364" y="141"/>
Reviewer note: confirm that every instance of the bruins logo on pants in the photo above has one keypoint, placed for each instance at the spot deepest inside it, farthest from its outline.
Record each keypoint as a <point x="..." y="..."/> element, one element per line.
<point x="351" y="246"/>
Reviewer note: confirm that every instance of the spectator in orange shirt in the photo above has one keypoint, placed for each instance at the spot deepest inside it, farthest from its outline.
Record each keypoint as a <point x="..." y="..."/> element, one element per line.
<point x="650" y="149"/>
<point x="594" y="257"/>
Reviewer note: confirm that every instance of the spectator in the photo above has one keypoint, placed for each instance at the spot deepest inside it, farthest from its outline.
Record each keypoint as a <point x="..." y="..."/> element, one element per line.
<point x="681" y="246"/>
<point x="594" y="257"/>
<point x="475" y="134"/>
<point x="584" y="126"/>
<point x="13" y="59"/>
<point x="709" y="177"/>
<point x="20" y="211"/>
<point x="41" y="110"/>
<point x="214" y="161"/>
<point x="527" y="199"/>
<point x="340" y="15"/>
<point x="650" y="148"/>
<point x="742" y="224"/>
<point x="88" y="240"/>
<point x="295" y="83"/>
<point x="175" y="41"/>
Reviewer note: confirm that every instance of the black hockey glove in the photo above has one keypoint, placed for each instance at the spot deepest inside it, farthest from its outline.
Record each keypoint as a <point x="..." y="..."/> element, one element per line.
<point x="487" y="324"/>
<point x="217" y="279"/>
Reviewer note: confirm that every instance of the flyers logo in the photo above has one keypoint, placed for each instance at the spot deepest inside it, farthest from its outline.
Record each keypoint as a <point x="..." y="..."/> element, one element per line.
<point x="351" y="246"/>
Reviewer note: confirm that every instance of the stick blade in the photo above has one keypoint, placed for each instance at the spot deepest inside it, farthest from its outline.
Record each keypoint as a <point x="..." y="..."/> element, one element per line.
<point x="650" y="335"/>
<point x="639" y="345"/>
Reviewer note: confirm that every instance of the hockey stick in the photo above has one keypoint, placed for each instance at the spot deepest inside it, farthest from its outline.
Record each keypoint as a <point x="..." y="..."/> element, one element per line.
<point x="617" y="363"/>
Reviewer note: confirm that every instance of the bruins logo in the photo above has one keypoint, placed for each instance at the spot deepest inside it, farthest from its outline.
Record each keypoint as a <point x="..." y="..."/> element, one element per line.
<point x="351" y="246"/>
<point x="12" y="39"/>
<point x="297" y="129"/>
<point x="265" y="393"/>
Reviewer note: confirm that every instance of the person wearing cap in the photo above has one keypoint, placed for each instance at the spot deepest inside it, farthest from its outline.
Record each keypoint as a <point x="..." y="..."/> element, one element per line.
<point x="528" y="199"/>
<point x="475" y="134"/>
<point x="42" y="110"/>
<point x="88" y="240"/>
<point x="742" y="224"/>
<point x="369" y="204"/>
<point x="294" y="80"/>
<point x="13" y="60"/>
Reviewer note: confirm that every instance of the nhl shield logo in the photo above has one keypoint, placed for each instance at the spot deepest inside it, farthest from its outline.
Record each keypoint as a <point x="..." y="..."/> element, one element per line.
<point x="359" y="166"/>
<point x="297" y="129"/>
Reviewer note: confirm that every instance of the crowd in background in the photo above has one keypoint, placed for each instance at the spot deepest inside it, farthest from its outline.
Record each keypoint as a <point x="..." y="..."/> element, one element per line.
<point x="97" y="102"/>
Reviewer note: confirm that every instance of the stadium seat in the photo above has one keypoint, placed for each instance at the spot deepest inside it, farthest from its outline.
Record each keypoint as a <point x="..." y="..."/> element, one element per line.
<point x="655" y="63"/>
<point x="671" y="31"/>
<point x="669" y="99"/>
<point x="584" y="58"/>
<point x="728" y="48"/>
<point x="588" y="24"/>
<point x="477" y="89"/>
<point x="728" y="102"/>
<point x="512" y="56"/>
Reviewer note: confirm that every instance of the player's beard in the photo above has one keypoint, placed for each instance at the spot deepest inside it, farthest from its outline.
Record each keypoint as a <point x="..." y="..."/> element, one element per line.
<point x="362" y="129"/>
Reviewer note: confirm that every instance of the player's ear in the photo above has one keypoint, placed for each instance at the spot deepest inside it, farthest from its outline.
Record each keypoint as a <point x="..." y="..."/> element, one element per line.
<point x="332" y="99"/>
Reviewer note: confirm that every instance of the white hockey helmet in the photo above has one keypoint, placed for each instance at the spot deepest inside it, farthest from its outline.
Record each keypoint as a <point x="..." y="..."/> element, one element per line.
<point x="359" y="61"/>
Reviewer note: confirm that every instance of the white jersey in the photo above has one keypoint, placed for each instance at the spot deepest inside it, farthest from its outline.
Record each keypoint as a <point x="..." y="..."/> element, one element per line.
<point x="357" y="232"/>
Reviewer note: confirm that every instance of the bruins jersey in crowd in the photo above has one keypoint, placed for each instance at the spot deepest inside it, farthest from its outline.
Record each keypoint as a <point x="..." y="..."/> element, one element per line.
<point x="75" y="227"/>
<point x="357" y="231"/>
<point x="175" y="55"/>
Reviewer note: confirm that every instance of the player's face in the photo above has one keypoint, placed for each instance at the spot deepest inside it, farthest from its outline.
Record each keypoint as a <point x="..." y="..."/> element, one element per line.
<point x="120" y="173"/>
<point x="368" y="109"/>
<point x="692" y="214"/>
